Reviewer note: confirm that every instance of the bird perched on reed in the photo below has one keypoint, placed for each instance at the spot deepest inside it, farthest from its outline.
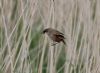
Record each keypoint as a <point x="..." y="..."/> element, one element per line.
<point x="55" y="35"/>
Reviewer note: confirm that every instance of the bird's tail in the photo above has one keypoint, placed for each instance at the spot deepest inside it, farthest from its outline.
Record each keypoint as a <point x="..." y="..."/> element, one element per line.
<point x="63" y="41"/>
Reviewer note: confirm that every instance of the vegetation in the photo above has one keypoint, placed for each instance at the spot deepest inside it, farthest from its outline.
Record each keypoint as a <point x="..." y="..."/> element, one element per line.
<point x="24" y="49"/>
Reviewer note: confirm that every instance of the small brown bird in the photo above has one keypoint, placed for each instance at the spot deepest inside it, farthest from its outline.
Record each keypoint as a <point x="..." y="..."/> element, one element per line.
<point x="55" y="35"/>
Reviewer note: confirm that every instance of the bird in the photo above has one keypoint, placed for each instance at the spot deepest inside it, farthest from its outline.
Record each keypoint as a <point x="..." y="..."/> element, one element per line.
<point x="54" y="35"/>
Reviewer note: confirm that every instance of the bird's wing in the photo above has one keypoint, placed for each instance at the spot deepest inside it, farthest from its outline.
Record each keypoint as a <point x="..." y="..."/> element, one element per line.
<point x="60" y="36"/>
<point x="59" y="33"/>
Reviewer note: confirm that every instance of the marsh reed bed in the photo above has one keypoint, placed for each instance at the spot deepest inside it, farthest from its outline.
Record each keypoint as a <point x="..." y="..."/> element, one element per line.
<point x="23" y="49"/>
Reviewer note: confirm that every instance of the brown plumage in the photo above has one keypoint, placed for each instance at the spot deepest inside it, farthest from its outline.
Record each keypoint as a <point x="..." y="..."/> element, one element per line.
<point x="55" y="35"/>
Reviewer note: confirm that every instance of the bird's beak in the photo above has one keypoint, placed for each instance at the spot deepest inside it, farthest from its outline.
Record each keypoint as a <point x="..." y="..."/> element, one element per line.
<point x="42" y="32"/>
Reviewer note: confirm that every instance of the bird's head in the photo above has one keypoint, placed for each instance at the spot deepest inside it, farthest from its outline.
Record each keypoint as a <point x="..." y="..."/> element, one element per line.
<point x="45" y="30"/>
